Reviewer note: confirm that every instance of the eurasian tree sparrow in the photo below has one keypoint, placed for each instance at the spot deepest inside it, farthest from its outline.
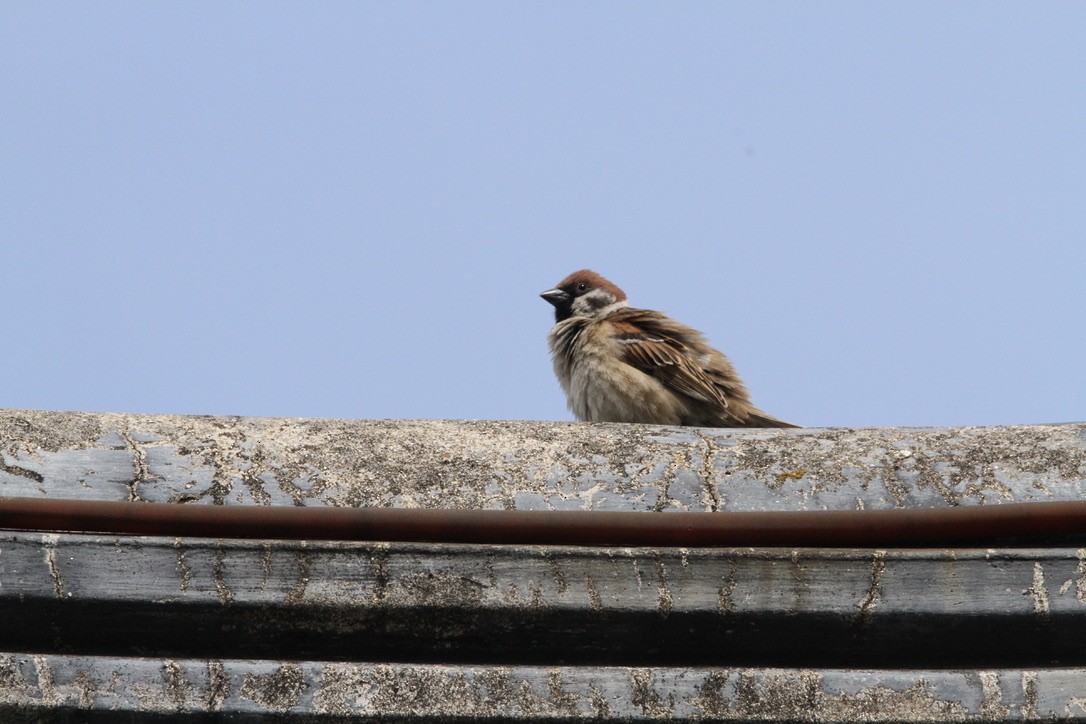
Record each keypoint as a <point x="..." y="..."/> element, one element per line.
<point x="620" y="364"/>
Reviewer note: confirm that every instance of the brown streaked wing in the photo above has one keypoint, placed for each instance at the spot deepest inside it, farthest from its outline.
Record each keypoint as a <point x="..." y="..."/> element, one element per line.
<point x="649" y="349"/>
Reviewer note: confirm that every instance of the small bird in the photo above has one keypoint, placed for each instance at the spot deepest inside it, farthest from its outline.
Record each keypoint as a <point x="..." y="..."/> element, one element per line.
<point x="620" y="364"/>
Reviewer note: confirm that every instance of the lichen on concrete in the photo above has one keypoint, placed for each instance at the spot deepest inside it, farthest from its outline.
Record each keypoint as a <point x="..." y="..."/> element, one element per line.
<point x="375" y="631"/>
<point x="530" y="465"/>
<point x="303" y="691"/>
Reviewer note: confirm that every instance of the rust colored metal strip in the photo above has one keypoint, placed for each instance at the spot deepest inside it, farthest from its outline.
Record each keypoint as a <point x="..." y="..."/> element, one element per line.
<point x="930" y="527"/>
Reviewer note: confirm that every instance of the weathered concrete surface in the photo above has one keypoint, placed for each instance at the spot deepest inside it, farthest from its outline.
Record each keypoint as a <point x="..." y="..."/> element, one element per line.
<point x="103" y="628"/>
<point x="530" y="465"/>
<point x="542" y="605"/>
<point x="51" y="688"/>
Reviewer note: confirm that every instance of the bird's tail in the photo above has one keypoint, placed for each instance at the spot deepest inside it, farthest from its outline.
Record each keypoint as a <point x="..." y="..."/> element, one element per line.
<point x="757" y="418"/>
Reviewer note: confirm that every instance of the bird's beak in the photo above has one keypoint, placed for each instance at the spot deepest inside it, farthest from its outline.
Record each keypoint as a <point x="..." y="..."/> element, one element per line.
<point x="556" y="297"/>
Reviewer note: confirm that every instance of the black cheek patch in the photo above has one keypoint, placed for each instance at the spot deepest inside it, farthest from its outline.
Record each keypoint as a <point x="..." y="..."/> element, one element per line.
<point x="598" y="301"/>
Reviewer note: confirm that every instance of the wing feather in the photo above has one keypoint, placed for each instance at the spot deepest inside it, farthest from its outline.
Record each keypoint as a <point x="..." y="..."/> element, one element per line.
<point x="651" y="348"/>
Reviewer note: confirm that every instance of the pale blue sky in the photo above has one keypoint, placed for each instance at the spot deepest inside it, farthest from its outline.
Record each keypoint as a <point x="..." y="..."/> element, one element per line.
<point x="877" y="210"/>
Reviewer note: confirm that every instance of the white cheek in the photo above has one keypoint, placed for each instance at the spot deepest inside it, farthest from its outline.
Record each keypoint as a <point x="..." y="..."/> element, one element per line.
<point x="582" y="307"/>
<point x="596" y="303"/>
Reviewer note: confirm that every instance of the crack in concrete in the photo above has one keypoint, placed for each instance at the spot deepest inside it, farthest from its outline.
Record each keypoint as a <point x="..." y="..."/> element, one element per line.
<point x="561" y="699"/>
<point x="378" y="560"/>
<point x="594" y="599"/>
<point x="88" y="689"/>
<point x="670" y="475"/>
<point x="218" y="572"/>
<point x="665" y="600"/>
<point x="601" y="709"/>
<point x="182" y="565"/>
<point x="724" y="601"/>
<point x="49" y="542"/>
<point x="992" y="706"/>
<point x="556" y="573"/>
<point x="46" y="683"/>
<point x="866" y="606"/>
<point x="1080" y="582"/>
<point x="1029" y="694"/>
<point x="637" y="575"/>
<point x="706" y="473"/>
<point x="251" y="480"/>
<point x="140" y="473"/>
<point x="218" y="685"/>
<point x="297" y="591"/>
<point x="265" y="565"/>
<point x="645" y="696"/>
<point x="176" y="683"/>
<point x="1038" y="592"/>
<point x="22" y="472"/>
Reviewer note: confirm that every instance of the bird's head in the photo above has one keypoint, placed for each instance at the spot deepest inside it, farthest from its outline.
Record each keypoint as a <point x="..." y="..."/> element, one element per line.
<point x="583" y="293"/>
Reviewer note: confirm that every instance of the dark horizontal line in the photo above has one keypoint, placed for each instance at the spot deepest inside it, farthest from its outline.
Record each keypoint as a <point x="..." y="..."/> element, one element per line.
<point x="902" y="527"/>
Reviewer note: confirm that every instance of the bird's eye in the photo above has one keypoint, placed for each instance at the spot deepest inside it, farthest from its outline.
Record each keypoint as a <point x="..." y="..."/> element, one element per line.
<point x="582" y="287"/>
